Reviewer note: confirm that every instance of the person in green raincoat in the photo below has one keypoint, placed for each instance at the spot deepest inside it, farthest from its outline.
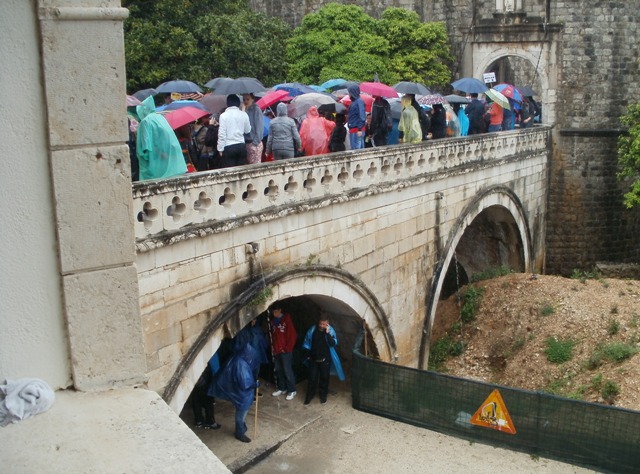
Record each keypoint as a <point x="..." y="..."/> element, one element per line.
<point x="159" y="152"/>
<point x="409" y="126"/>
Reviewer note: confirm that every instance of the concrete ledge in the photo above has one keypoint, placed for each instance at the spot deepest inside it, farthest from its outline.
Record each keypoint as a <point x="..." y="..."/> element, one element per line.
<point x="126" y="430"/>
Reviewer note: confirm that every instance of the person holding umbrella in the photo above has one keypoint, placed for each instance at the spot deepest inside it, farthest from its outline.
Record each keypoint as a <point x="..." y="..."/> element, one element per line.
<point x="381" y="122"/>
<point x="234" y="124"/>
<point x="157" y="147"/>
<point x="475" y="112"/>
<point x="357" y="118"/>
<point x="283" y="138"/>
<point x="495" y="115"/>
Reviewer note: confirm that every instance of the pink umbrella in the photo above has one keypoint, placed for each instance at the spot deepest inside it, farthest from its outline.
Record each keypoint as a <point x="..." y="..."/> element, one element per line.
<point x="272" y="97"/>
<point x="368" y="101"/>
<point x="178" y="118"/>
<point x="378" y="89"/>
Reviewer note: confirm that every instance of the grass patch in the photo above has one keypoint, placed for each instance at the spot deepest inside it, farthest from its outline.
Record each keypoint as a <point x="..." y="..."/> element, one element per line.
<point x="547" y="309"/>
<point x="583" y="275"/>
<point x="491" y="273"/>
<point x="471" y="302"/>
<point x="596" y="382"/>
<point x="614" y="309"/>
<point x="559" y="351"/>
<point x="610" y="390"/>
<point x="442" y="350"/>
<point x="618" y="351"/>
<point x="613" y="328"/>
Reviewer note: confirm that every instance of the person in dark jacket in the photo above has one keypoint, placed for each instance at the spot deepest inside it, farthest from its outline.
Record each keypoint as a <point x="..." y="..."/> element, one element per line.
<point x="475" y="111"/>
<point x="236" y="383"/>
<point x="438" y="122"/>
<point x="357" y="118"/>
<point x="381" y="122"/>
<point x="201" y="401"/>
<point x="338" y="135"/>
<point x="284" y="138"/>
<point x="320" y="343"/>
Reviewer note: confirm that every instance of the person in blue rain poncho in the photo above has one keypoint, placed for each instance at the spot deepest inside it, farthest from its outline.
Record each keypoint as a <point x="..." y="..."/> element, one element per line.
<point x="236" y="383"/>
<point x="321" y="342"/>
<point x="157" y="147"/>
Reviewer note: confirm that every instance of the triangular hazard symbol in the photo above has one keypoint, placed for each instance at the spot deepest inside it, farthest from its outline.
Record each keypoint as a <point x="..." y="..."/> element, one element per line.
<point x="493" y="414"/>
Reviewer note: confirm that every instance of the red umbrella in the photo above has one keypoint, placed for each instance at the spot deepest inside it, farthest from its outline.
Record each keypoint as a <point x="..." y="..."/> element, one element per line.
<point x="368" y="101"/>
<point x="178" y="118"/>
<point x="509" y="91"/>
<point x="272" y="97"/>
<point x="378" y="89"/>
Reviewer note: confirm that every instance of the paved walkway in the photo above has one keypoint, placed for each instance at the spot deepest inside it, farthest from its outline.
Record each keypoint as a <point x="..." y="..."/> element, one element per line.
<point x="335" y="438"/>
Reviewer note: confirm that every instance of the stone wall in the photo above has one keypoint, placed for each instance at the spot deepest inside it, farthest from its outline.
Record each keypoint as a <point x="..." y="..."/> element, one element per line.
<point x="382" y="219"/>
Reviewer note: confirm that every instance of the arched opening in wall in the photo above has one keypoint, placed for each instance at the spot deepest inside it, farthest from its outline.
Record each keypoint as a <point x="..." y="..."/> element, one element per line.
<point x="199" y="411"/>
<point x="517" y="71"/>
<point x="491" y="244"/>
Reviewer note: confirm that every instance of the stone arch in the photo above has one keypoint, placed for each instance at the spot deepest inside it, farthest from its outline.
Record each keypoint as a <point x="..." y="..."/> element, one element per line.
<point x="487" y="54"/>
<point x="495" y="196"/>
<point x="321" y="281"/>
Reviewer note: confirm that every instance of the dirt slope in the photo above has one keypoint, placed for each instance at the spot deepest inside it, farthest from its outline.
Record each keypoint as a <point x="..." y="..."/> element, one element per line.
<point x="506" y="343"/>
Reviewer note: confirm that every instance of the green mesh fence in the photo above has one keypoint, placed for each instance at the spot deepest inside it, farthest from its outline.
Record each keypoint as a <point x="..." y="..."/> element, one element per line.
<point x="572" y="431"/>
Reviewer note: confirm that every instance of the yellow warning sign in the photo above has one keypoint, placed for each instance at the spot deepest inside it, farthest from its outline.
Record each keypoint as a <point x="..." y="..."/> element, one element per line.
<point x="493" y="414"/>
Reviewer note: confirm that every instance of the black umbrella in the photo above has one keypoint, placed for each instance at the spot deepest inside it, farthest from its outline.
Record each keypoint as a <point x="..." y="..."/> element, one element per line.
<point x="336" y="108"/>
<point x="456" y="99"/>
<point x="524" y="90"/>
<point x="415" y="88"/>
<point x="183" y="87"/>
<point x="144" y="93"/>
<point x="242" y="85"/>
<point x="213" y="83"/>
<point x="396" y="108"/>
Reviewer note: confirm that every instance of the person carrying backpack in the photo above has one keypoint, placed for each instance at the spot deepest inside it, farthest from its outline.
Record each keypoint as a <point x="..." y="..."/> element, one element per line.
<point x="381" y="122"/>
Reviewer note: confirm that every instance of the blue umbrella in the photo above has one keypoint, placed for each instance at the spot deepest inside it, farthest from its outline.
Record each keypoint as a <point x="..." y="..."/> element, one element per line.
<point x="333" y="83"/>
<point x="470" y="85"/>
<point x="266" y="124"/>
<point x="294" y="88"/>
<point x="178" y="104"/>
<point x="183" y="87"/>
<point x="144" y="93"/>
<point x="317" y="88"/>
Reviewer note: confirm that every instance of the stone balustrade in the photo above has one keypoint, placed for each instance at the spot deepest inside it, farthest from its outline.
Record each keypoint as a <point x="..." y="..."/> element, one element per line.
<point x="195" y="204"/>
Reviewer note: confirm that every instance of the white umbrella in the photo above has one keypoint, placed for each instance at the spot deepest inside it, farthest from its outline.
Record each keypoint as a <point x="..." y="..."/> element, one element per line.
<point x="497" y="97"/>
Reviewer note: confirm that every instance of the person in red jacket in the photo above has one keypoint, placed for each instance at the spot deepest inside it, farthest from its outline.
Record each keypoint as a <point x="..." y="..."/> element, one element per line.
<point x="283" y="340"/>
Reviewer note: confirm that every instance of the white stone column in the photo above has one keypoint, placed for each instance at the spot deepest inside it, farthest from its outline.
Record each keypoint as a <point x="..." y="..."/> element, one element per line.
<point x="84" y="88"/>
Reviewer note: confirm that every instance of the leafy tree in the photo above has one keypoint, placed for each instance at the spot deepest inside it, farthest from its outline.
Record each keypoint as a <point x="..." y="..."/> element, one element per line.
<point x="343" y="41"/>
<point x="201" y="39"/>
<point x="629" y="155"/>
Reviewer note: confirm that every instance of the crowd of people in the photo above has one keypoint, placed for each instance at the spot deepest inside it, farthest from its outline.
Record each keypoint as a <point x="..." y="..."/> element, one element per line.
<point x="234" y="370"/>
<point x="240" y="134"/>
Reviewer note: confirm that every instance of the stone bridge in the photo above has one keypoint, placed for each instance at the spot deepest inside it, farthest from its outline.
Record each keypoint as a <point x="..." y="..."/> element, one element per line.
<point x="366" y="237"/>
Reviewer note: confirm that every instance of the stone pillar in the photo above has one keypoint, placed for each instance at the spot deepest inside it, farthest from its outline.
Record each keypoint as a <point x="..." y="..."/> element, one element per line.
<point x="84" y="88"/>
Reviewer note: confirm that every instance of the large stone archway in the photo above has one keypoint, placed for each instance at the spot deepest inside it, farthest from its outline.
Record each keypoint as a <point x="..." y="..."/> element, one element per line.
<point x="498" y="197"/>
<point x="322" y="283"/>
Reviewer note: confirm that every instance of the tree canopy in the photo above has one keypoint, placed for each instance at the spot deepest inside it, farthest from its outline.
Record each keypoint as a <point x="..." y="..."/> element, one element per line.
<point x="629" y="155"/>
<point x="201" y="39"/>
<point x="343" y="41"/>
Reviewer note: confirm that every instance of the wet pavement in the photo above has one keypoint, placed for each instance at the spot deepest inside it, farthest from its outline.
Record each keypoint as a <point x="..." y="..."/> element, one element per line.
<point x="335" y="438"/>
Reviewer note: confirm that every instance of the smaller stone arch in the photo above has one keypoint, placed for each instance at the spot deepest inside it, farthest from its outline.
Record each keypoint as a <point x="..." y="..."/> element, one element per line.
<point x="539" y="54"/>
<point x="320" y="280"/>
<point x="494" y="196"/>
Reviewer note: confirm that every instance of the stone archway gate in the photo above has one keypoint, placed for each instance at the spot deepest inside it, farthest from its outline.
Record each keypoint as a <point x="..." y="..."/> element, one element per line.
<point x="210" y="245"/>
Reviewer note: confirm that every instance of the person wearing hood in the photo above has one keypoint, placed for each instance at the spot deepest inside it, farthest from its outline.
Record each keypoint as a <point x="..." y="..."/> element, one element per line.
<point x="315" y="133"/>
<point x="284" y="138"/>
<point x="157" y="147"/>
<point x="356" y="118"/>
<point x="253" y="139"/>
<point x="409" y="127"/>
<point x="237" y="384"/>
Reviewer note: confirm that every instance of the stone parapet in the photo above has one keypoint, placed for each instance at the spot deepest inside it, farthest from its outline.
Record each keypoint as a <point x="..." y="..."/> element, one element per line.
<point x="193" y="205"/>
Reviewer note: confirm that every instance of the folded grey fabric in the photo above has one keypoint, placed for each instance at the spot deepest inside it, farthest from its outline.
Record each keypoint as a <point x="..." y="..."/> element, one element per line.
<point x="22" y="398"/>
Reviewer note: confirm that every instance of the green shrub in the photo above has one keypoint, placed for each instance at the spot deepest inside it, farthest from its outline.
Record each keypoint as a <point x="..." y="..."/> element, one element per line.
<point x="618" y="351"/>
<point x="596" y="382"/>
<point x="613" y="328"/>
<point x="547" y="309"/>
<point x="471" y="300"/>
<point x="559" y="351"/>
<point x="610" y="390"/>
<point x="442" y="350"/>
